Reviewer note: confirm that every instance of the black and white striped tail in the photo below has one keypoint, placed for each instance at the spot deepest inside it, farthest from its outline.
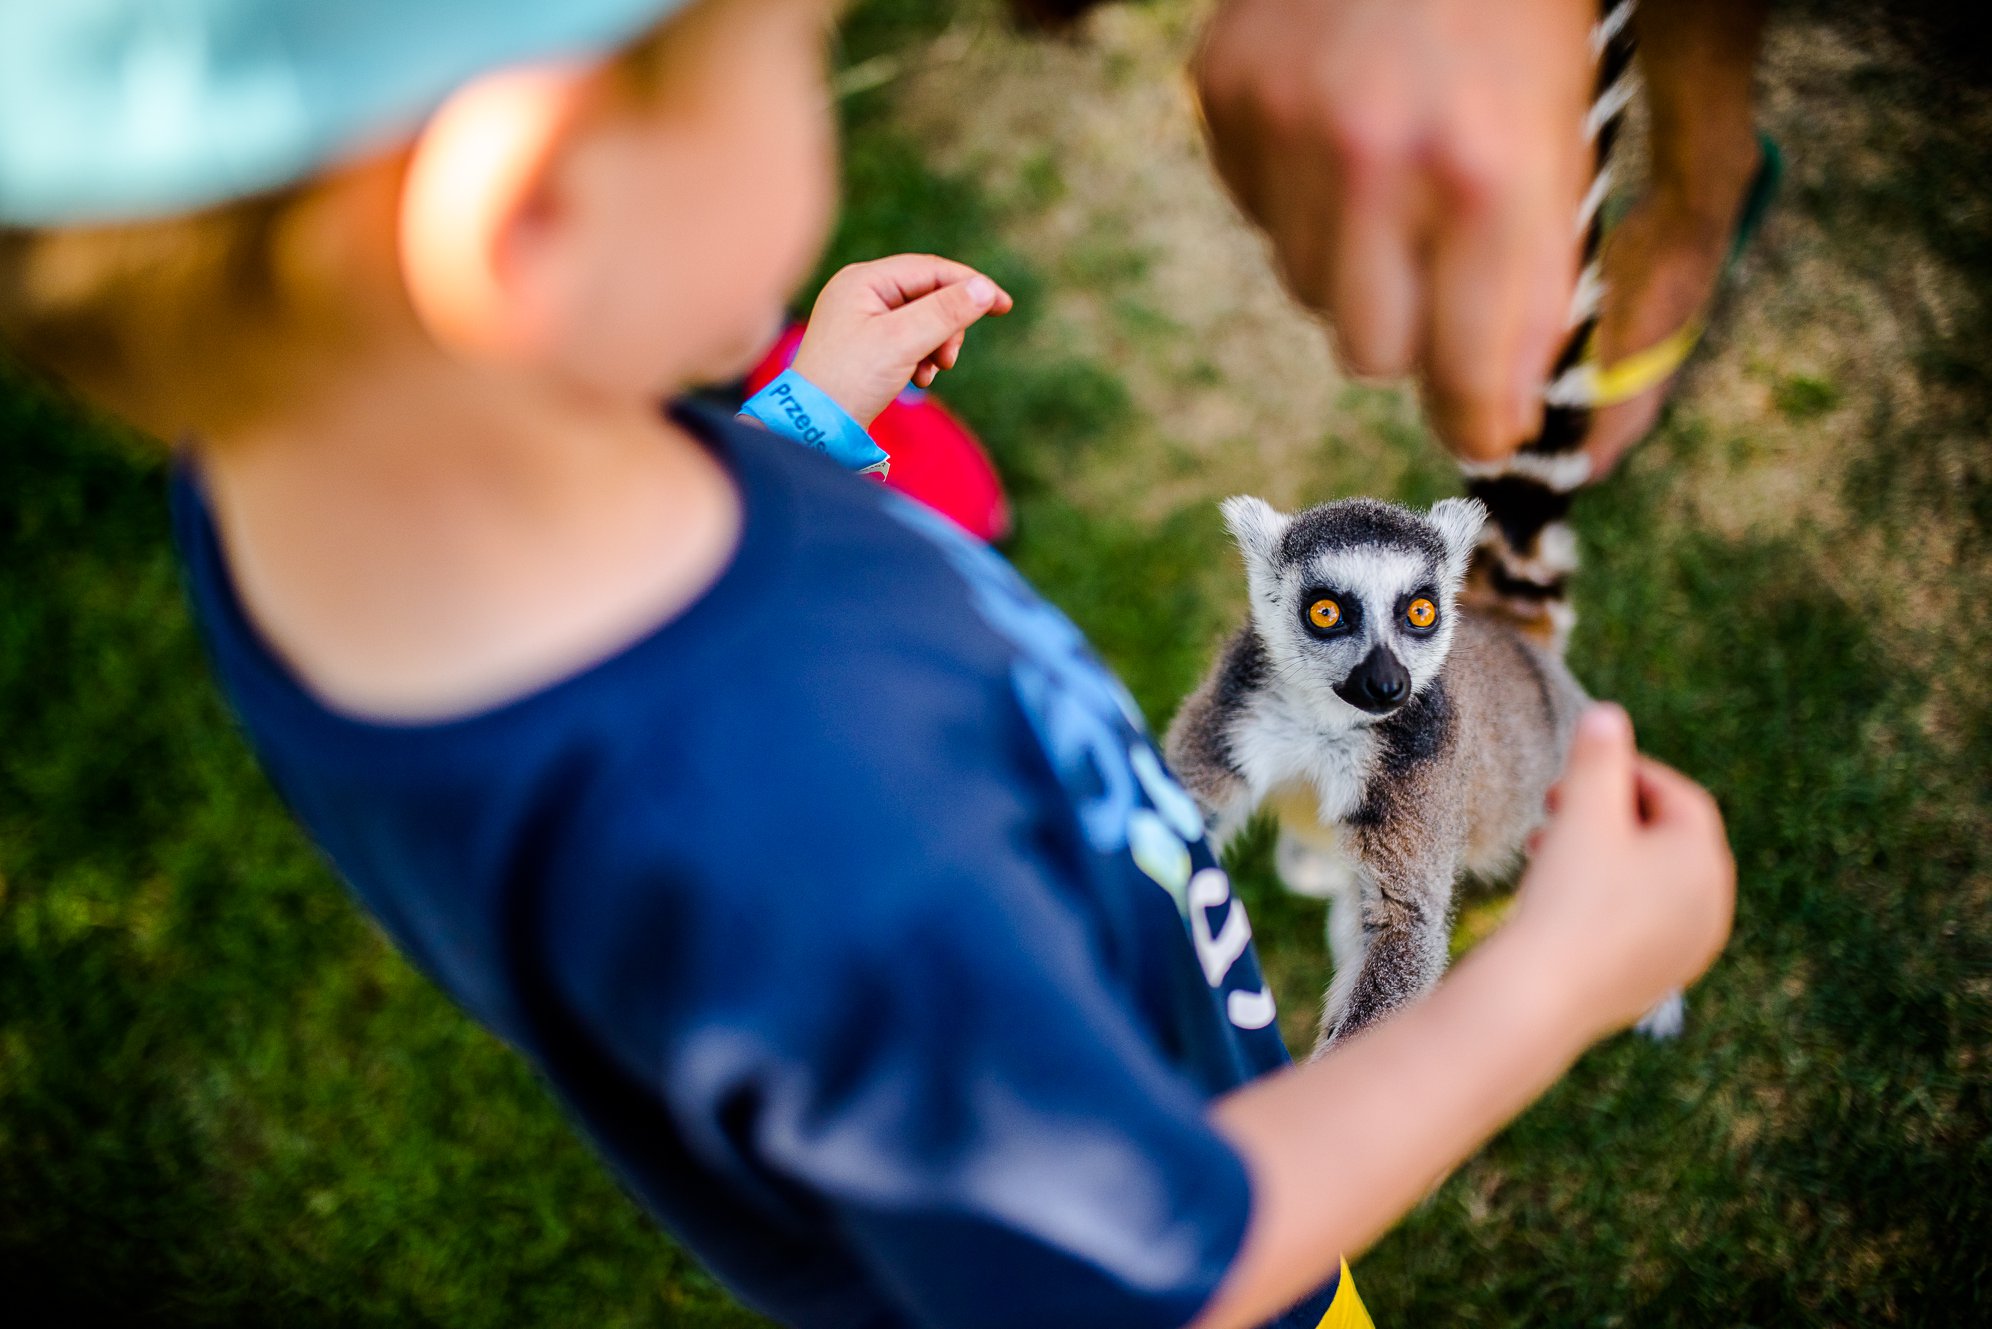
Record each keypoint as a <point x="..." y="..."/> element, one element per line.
<point x="1527" y="551"/>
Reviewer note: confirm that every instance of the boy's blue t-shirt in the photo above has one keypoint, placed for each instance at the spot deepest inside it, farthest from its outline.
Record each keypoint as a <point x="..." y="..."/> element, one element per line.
<point x="850" y="912"/>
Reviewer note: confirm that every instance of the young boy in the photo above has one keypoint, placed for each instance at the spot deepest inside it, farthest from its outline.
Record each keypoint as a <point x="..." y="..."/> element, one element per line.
<point x="783" y="828"/>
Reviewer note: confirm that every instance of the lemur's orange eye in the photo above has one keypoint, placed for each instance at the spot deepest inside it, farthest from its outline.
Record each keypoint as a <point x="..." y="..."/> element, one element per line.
<point x="1421" y="613"/>
<point x="1324" y="614"/>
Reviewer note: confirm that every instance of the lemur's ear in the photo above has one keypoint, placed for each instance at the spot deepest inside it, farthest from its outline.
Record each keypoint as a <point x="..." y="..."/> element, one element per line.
<point x="1458" y="521"/>
<point x="1256" y="526"/>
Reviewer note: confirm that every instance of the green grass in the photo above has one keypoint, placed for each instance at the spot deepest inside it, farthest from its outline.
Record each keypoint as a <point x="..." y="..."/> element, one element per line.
<point x="224" y="1099"/>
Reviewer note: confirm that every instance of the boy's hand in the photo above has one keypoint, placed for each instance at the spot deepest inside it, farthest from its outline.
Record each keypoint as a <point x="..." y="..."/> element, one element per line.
<point x="876" y="326"/>
<point x="1632" y="888"/>
<point x="1628" y="898"/>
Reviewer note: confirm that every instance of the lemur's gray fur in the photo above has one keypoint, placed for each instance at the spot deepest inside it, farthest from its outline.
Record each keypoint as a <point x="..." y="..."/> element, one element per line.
<point x="1442" y="777"/>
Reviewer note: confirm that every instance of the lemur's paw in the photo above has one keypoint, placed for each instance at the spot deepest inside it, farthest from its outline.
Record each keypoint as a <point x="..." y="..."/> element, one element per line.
<point x="1666" y="1020"/>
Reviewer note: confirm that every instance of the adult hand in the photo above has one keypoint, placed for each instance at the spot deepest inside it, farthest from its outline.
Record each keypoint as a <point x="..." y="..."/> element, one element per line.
<point x="1418" y="165"/>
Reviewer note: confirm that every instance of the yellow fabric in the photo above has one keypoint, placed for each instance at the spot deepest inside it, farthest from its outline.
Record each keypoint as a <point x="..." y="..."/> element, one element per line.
<point x="1346" y="1311"/>
<point x="1644" y="370"/>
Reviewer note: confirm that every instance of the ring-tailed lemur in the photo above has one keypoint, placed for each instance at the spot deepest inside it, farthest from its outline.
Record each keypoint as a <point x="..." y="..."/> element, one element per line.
<point x="1398" y="696"/>
<point x="1383" y="722"/>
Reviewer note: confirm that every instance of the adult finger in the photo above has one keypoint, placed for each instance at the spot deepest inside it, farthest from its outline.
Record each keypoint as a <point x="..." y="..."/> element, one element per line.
<point x="1232" y="85"/>
<point x="1371" y="212"/>
<point x="1503" y="266"/>
<point x="1337" y="217"/>
<point x="1329" y="173"/>
<point x="1484" y="289"/>
<point x="1545" y="327"/>
<point x="1372" y="287"/>
<point x="1296" y="211"/>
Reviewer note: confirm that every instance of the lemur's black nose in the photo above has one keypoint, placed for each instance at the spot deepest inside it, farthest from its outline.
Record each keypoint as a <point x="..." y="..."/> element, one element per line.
<point x="1380" y="683"/>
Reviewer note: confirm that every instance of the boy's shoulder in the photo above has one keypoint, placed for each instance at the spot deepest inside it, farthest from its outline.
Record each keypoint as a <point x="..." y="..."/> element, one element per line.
<point x="856" y="662"/>
<point x="830" y="575"/>
<point x="835" y="703"/>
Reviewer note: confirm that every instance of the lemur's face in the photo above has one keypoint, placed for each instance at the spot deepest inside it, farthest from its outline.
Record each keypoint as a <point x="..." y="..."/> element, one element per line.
<point x="1354" y="600"/>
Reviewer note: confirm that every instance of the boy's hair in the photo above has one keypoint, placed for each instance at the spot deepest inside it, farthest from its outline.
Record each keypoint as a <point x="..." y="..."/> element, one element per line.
<point x="199" y="317"/>
<point x="136" y="316"/>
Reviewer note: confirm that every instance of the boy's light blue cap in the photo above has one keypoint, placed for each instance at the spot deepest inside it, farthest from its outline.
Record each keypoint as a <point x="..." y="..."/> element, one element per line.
<point x="118" y="109"/>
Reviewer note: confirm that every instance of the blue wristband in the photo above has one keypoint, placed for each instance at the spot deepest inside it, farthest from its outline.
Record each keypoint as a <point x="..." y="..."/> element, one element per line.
<point x="795" y="408"/>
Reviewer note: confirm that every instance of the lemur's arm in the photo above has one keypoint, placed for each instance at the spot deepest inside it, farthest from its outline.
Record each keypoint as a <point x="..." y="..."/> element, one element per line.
<point x="1198" y="745"/>
<point x="1406" y="906"/>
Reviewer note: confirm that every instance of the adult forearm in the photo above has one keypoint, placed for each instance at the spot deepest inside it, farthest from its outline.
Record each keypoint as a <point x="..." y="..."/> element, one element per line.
<point x="1339" y="1149"/>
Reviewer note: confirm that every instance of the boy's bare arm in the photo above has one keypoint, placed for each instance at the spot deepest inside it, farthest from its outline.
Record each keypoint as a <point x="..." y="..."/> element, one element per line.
<point x="1630" y="895"/>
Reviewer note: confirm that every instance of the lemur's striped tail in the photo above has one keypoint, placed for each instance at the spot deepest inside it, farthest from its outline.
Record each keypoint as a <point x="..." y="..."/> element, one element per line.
<point x="1527" y="552"/>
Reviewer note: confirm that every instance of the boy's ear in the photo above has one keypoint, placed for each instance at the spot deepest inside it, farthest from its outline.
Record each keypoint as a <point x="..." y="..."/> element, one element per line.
<point x="1257" y="527"/>
<point x="479" y="218"/>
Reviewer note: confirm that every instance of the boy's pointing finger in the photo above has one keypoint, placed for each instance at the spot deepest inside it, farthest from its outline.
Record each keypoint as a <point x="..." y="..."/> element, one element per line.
<point x="900" y="279"/>
<point x="932" y="321"/>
